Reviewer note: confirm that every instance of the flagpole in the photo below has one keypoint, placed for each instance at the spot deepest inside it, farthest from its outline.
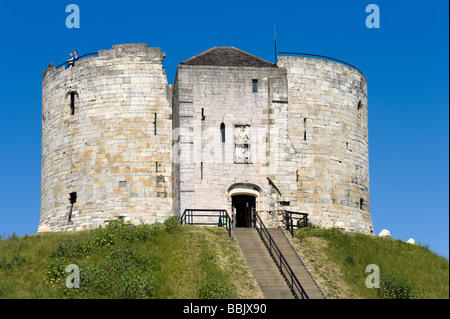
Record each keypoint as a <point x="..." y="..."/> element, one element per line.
<point x="275" y="42"/>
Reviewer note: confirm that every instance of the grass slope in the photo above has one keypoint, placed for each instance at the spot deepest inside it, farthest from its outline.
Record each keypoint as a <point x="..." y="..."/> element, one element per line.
<point x="339" y="259"/>
<point x="124" y="261"/>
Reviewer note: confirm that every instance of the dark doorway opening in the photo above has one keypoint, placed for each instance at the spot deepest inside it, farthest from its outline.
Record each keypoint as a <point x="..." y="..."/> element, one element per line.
<point x="243" y="205"/>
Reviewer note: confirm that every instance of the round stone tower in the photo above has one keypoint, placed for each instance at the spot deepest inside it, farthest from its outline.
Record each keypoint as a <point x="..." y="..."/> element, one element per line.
<point x="106" y="140"/>
<point x="322" y="156"/>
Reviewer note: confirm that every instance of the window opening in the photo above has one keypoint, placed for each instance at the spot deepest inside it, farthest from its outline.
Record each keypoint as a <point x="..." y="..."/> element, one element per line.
<point x="304" y="129"/>
<point x="222" y="132"/>
<point x="72" y="103"/>
<point x="73" y="200"/>
<point x="201" y="170"/>
<point x="254" y="85"/>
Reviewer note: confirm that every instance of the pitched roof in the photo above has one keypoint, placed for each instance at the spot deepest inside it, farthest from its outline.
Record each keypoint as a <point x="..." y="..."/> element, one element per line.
<point x="227" y="56"/>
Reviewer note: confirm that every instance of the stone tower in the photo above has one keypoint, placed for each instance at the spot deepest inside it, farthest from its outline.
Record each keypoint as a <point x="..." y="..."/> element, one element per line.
<point x="106" y="140"/>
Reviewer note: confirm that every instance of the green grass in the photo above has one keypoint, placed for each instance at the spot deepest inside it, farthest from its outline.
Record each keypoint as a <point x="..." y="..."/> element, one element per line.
<point x="124" y="261"/>
<point x="339" y="260"/>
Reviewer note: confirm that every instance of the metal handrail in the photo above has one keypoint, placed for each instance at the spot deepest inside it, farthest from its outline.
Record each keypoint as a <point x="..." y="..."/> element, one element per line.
<point x="224" y="220"/>
<point x="289" y="221"/>
<point x="324" y="57"/>
<point x="286" y="271"/>
<point x="79" y="58"/>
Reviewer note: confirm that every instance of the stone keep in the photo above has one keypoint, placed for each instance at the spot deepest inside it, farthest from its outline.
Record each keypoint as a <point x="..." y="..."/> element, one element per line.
<point x="233" y="132"/>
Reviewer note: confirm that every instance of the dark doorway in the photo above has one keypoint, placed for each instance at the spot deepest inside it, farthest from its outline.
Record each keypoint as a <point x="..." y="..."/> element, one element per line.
<point x="243" y="206"/>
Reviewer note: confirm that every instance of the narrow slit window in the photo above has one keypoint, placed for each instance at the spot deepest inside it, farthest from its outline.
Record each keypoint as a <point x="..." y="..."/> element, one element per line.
<point x="360" y="105"/>
<point x="361" y="204"/>
<point x="156" y="166"/>
<point x="222" y="132"/>
<point x="72" y="103"/>
<point x="155" y="122"/>
<point x="203" y="114"/>
<point x="254" y="85"/>
<point x="201" y="170"/>
<point x="304" y="129"/>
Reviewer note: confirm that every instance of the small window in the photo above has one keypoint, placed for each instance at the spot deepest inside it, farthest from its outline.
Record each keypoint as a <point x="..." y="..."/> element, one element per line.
<point x="155" y="122"/>
<point x="304" y="129"/>
<point x="203" y="114"/>
<point x="72" y="103"/>
<point x="362" y="206"/>
<point x="360" y="105"/>
<point x="254" y="85"/>
<point x="73" y="198"/>
<point x="201" y="170"/>
<point x="222" y="132"/>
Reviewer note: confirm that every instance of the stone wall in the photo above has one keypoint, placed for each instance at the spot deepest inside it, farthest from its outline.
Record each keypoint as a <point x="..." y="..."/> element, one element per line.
<point x="107" y="151"/>
<point x="208" y="169"/>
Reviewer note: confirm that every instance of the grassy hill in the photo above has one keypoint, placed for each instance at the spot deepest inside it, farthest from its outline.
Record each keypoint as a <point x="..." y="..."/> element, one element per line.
<point x="339" y="259"/>
<point x="186" y="262"/>
<point x="123" y="261"/>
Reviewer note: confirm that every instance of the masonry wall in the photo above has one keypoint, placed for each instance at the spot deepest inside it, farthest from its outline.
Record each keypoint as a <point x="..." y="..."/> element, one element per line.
<point x="206" y="168"/>
<point x="322" y="149"/>
<point x="107" y="152"/>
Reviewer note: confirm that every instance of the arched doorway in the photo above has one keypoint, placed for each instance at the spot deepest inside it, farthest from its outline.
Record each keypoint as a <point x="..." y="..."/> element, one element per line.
<point x="243" y="198"/>
<point x="243" y="207"/>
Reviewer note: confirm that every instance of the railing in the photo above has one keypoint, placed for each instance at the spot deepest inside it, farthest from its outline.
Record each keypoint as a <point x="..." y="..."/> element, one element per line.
<point x="323" y="57"/>
<point x="75" y="61"/>
<point x="294" y="219"/>
<point x="280" y="261"/>
<point x="207" y="217"/>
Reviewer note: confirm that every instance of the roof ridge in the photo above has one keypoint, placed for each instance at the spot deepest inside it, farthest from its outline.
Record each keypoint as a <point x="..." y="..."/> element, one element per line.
<point x="223" y="57"/>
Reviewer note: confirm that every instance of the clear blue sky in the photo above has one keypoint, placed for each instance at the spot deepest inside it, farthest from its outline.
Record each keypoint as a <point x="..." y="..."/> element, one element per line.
<point x="406" y="62"/>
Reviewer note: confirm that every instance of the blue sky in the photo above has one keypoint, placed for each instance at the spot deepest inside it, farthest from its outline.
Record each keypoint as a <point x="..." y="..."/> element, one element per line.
<point x="406" y="62"/>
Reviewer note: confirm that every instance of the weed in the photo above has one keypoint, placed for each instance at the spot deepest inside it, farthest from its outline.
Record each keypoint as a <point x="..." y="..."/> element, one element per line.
<point x="136" y="286"/>
<point x="171" y="224"/>
<point x="393" y="286"/>
<point x="56" y="271"/>
<point x="215" y="289"/>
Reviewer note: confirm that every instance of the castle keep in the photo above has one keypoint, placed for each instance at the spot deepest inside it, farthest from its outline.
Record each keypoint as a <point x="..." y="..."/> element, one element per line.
<point x="233" y="132"/>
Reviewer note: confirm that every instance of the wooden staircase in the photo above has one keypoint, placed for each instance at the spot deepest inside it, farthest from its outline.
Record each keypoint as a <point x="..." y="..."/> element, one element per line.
<point x="264" y="269"/>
